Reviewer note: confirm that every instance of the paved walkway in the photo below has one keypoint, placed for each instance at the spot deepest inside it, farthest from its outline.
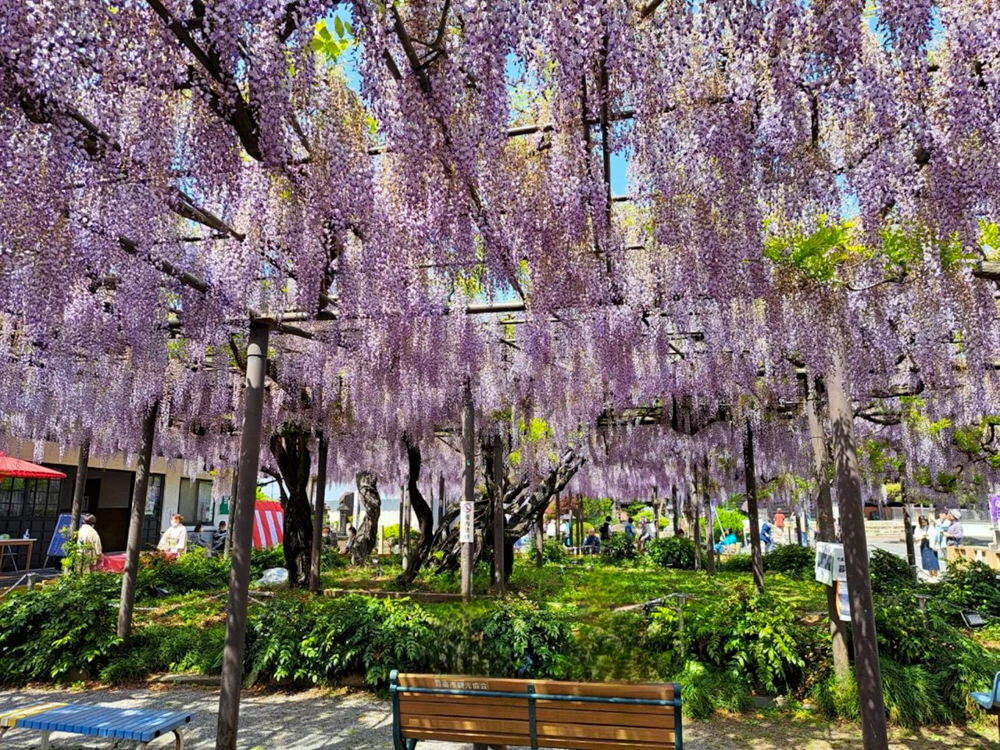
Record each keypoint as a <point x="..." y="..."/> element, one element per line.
<point x="324" y="720"/>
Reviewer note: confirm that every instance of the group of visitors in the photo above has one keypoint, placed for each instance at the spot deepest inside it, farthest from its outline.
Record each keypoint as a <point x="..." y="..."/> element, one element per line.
<point x="947" y="531"/>
<point x="330" y="539"/>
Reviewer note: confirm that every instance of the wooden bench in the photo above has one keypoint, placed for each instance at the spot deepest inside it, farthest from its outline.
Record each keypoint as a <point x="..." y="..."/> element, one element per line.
<point x="130" y="724"/>
<point x="494" y="712"/>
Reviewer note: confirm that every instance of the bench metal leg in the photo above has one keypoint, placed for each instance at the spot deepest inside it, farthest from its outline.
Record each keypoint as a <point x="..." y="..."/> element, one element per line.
<point x="178" y="740"/>
<point x="45" y="741"/>
<point x="3" y="731"/>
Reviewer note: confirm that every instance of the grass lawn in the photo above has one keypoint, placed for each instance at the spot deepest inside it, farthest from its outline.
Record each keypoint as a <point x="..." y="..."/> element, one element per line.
<point x="589" y="586"/>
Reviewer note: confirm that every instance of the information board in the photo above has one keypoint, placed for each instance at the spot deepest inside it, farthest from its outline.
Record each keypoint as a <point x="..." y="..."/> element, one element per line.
<point x="830" y="563"/>
<point x="59" y="537"/>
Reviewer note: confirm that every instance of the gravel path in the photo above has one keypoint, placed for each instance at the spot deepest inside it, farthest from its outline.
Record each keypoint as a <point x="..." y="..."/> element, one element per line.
<point x="325" y="720"/>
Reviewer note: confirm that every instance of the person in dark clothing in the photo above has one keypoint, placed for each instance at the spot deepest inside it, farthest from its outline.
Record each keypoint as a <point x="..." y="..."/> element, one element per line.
<point x="606" y="529"/>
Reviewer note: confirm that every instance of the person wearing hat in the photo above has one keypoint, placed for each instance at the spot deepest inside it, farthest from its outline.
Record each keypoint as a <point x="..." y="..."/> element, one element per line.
<point x="954" y="534"/>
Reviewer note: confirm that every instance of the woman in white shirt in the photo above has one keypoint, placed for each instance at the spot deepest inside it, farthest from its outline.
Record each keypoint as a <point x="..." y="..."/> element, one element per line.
<point x="175" y="538"/>
<point x="88" y="543"/>
<point x="924" y="538"/>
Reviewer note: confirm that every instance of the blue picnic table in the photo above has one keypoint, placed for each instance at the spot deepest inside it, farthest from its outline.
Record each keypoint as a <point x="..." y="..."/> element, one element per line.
<point x="141" y="726"/>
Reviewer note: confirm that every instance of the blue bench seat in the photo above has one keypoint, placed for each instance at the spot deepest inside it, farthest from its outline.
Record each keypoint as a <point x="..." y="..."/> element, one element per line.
<point x="141" y="726"/>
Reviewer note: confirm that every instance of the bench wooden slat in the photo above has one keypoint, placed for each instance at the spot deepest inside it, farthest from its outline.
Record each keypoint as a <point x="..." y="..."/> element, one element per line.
<point x="554" y="687"/>
<point x="552" y="711"/>
<point x="568" y="743"/>
<point x="484" y="700"/>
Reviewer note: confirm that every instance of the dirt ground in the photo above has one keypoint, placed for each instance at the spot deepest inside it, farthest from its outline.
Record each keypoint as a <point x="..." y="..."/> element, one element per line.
<point x="341" y="720"/>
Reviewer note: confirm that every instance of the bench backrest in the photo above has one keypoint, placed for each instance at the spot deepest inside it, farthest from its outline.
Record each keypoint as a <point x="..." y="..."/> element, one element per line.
<point x="536" y="713"/>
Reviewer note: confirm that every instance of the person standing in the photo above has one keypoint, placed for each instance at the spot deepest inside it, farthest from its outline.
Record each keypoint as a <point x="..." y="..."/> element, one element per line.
<point x="924" y="536"/>
<point x="955" y="533"/>
<point x="606" y="529"/>
<point x="779" y="524"/>
<point x="766" y="537"/>
<point x="630" y="529"/>
<point x="219" y="541"/>
<point x="175" y="538"/>
<point x="88" y="542"/>
<point x="352" y="538"/>
<point x="646" y="534"/>
<point x="940" y="527"/>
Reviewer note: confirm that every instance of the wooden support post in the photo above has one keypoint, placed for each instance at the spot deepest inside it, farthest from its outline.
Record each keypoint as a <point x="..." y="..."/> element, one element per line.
<point x="825" y="525"/>
<point x="656" y="515"/>
<point x="242" y="536"/>
<point x="539" y="540"/>
<point x="676" y="508"/>
<point x="318" y="514"/>
<point x="468" y="480"/>
<point x="911" y="551"/>
<point x="750" y="472"/>
<point x="558" y="521"/>
<point x="852" y="526"/>
<point x="404" y="525"/>
<point x="137" y="516"/>
<point x="709" y="517"/>
<point x="696" y="507"/>
<point x="442" y="503"/>
<point x="79" y="487"/>
<point x="499" y="519"/>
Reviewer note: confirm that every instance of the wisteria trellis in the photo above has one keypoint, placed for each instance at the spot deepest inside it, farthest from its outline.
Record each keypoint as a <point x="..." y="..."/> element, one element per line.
<point x="145" y="140"/>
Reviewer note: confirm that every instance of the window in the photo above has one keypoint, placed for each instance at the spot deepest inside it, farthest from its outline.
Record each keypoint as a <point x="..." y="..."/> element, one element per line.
<point x="196" y="501"/>
<point x="29" y="498"/>
<point x="154" y="495"/>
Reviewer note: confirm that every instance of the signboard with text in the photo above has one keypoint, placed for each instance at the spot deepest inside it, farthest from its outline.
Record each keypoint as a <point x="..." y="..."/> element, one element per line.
<point x="830" y="563"/>
<point x="466" y="530"/>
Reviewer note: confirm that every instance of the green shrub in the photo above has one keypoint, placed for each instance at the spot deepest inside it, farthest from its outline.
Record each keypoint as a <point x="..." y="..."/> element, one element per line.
<point x="736" y="564"/>
<point x="193" y="571"/>
<point x="703" y="690"/>
<point x="321" y="640"/>
<point x="754" y="636"/>
<point x="619" y="548"/>
<point x="553" y="551"/>
<point x="929" y="665"/>
<point x="672" y="552"/>
<point x="519" y="638"/>
<point x="792" y="560"/>
<point x="889" y="572"/>
<point x="66" y="626"/>
<point x="971" y="585"/>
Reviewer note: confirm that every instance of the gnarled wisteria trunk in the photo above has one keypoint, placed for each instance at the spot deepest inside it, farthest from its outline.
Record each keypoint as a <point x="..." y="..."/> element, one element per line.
<point x="523" y="503"/>
<point x="425" y="515"/>
<point x="367" y="484"/>
<point x="290" y="448"/>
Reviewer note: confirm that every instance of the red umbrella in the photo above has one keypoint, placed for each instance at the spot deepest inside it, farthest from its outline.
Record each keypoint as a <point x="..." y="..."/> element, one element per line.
<point x="15" y="467"/>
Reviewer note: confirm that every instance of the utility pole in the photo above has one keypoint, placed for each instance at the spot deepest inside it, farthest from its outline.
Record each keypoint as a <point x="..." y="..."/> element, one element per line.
<point x="852" y="526"/>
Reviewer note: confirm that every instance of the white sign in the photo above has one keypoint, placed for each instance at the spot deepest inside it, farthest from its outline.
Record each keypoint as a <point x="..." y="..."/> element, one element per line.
<point x="830" y="563"/>
<point x="843" y="601"/>
<point x="466" y="533"/>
